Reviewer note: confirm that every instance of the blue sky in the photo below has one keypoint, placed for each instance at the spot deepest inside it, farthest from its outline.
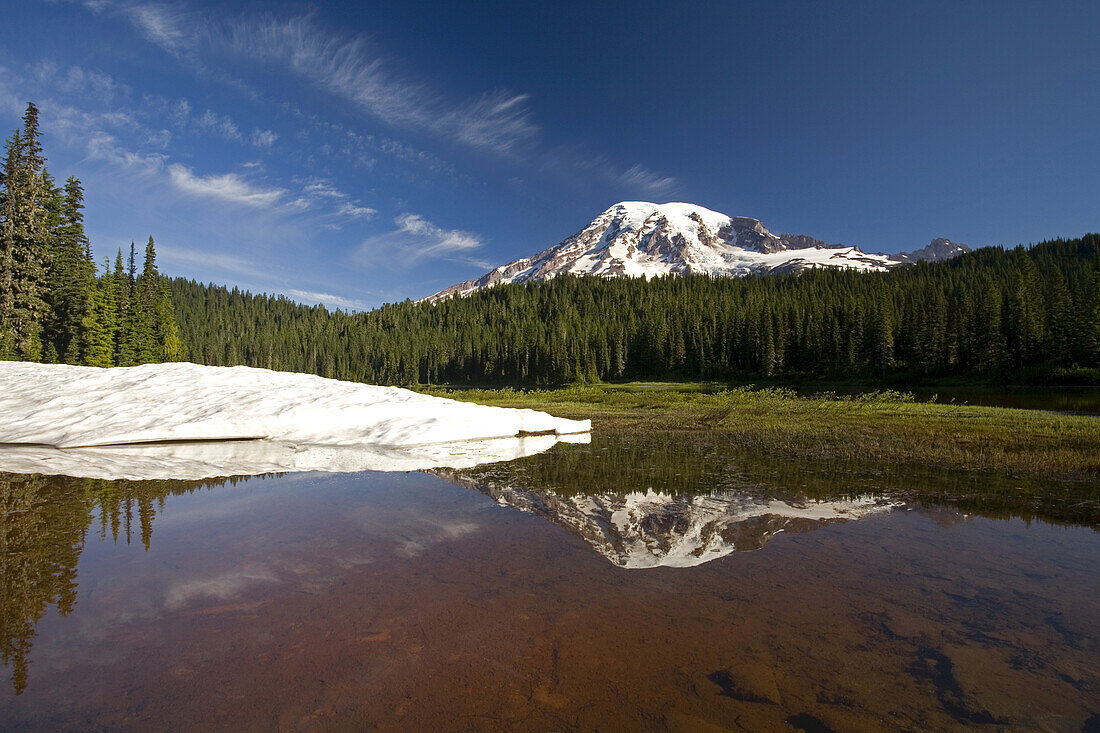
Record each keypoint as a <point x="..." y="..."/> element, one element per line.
<point x="361" y="153"/>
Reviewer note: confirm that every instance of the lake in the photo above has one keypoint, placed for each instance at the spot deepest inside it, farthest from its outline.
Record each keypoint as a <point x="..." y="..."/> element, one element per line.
<point x="639" y="582"/>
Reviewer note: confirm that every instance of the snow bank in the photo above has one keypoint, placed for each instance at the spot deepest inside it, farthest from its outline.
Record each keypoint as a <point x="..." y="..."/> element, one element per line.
<point x="70" y="406"/>
<point x="196" y="461"/>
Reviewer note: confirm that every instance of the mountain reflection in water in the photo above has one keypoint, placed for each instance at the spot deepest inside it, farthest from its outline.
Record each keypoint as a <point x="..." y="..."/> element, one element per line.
<point x="338" y="573"/>
<point x="656" y="529"/>
<point x="686" y="478"/>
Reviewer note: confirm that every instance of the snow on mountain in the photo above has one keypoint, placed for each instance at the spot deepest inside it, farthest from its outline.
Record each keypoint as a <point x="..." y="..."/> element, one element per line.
<point x="656" y="529"/>
<point x="939" y="249"/>
<point x="641" y="239"/>
<point x="70" y="406"/>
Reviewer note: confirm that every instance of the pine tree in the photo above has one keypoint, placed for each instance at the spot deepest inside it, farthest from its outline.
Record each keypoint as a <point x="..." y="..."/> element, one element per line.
<point x="23" y="229"/>
<point x="139" y="327"/>
<point x="124" y="353"/>
<point x="1023" y="310"/>
<point x="101" y="323"/>
<point x="53" y="307"/>
<point x="71" y="279"/>
<point x="882" y="334"/>
<point x="9" y="214"/>
<point x="1090" y="322"/>
<point x="158" y="336"/>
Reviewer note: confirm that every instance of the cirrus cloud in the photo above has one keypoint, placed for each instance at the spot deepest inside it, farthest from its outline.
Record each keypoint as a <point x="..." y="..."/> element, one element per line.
<point x="226" y="186"/>
<point x="416" y="238"/>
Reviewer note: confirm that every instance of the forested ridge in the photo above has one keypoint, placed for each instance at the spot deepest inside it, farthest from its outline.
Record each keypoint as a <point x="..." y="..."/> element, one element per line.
<point x="54" y="307"/>
<point x="994" y="313"/>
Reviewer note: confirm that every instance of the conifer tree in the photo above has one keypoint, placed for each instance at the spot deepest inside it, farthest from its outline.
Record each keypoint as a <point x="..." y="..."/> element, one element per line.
<point x="1023" y="310"/>
<point x="158" y="335"/>
<point x="71" y="279"/>
<point x="23" y="223"/>
<point x="882" y="334"/>
<point x="53" y="307"/>
<point x="9" y="213"/>
<point x="124" y="300"/>
<point x="1090" y="332"/>
<point x="101" y="323"/>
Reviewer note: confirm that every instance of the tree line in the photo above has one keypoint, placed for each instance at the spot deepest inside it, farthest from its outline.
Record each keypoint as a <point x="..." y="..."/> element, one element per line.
<point x="54" y="306"/>
<point x="994" y="313"/>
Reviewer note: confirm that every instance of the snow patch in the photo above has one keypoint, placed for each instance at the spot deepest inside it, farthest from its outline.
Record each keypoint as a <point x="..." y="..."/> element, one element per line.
<point x="307" y="422"/>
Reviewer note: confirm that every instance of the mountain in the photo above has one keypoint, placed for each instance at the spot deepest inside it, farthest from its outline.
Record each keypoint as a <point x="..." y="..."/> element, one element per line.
<point x="641" y="239"/>
<point x="939" y="249"/>
<point x="656" y="529"/>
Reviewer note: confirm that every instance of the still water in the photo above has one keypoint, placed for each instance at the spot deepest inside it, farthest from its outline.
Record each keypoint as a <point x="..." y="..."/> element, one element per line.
<point x="636" y="583"/>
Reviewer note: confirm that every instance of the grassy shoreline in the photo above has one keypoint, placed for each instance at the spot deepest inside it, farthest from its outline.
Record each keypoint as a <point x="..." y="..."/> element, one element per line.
<point x="882" y="426"/>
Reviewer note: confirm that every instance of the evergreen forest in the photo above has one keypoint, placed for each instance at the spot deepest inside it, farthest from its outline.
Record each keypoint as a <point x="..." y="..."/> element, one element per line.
<point x="995" y="314"/>
<point x="54" y="306"/>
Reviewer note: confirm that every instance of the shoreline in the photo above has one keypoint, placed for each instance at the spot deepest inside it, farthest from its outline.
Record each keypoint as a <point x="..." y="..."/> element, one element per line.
<point x="885" y="426"/>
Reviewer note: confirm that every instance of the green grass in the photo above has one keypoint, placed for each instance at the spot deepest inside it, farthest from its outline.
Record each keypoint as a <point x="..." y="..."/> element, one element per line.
<point x="877" y="426"/>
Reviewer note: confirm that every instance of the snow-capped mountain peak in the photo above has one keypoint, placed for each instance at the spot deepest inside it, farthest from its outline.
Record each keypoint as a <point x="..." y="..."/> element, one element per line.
<point x="643" y="239"/>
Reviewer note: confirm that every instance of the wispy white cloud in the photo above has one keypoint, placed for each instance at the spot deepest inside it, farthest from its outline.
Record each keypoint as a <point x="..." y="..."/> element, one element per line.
<point x="263" y="138"/>
<point x="221" y="125"/>
<point x="351" y="68"/>
<point x="222" y="587"/>
<point x="84" y="128"/>
<point x="328" y="300"/>
<point x="497" y="120"/>
<point x="638" y="176"/>
<point x="226" y="186"/>
<point x="356" y="212"/>
<point x="104" y="147"/>
<point x="321" y="190"/>
<point x="415" y="239"/>
<point x="179" y="111"/>
<point x="77" y="80"/>
<point x="220" y="261"/>
<point x="435" y="239"/>
<point x="168" y="26"/>
<point x="348" y="67"/>
<point x="636" y="180"/>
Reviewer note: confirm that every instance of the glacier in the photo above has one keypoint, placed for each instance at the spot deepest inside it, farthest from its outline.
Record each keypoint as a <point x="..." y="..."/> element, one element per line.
<point x="139" y="422"/>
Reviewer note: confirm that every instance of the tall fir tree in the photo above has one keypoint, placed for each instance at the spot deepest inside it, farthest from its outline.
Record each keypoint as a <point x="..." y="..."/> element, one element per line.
<point x="9" y="215"/>
<point x="159" y="335"/>
<point x="101" y="325"/>
<point x="24" y="215"/>
<point x="71" y="281"/>
<point x="123" y="292"/>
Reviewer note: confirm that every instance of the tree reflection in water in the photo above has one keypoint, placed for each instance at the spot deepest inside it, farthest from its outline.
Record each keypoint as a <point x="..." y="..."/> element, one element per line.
<point x="45" y="522"/>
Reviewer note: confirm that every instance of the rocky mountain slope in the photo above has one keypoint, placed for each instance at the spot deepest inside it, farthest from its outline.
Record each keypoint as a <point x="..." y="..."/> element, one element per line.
<point x="641" y="239"/>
